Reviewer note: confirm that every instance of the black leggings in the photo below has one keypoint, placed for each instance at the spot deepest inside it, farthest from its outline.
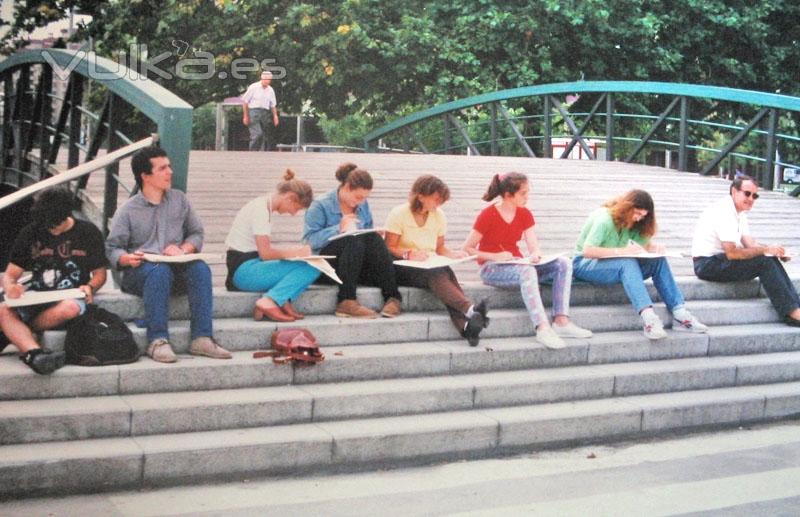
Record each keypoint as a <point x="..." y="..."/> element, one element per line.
<point x="361" y="259"/>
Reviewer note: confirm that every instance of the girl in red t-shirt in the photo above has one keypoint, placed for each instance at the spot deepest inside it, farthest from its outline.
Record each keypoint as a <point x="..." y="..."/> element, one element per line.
<point x="494" y="237"/>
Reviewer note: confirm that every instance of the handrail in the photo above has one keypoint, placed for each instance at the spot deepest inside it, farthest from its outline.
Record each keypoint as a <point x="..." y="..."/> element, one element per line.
<point x="768" y="100"/>
<point x="77" y="172"/>
<point x="172" y="115"/>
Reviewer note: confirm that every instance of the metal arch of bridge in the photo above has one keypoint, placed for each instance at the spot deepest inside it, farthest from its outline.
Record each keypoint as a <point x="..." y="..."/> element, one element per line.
<point x="29" y="123"/>
<point x="770" y="108"/>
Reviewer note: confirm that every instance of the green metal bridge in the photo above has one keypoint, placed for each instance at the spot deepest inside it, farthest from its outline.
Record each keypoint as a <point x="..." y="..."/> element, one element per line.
<point x="704" y="124"/>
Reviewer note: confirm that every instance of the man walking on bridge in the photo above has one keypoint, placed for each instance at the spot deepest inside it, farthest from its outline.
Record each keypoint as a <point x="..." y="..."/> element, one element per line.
<point x="259" y="101"/>
<point x="724" y="251"/>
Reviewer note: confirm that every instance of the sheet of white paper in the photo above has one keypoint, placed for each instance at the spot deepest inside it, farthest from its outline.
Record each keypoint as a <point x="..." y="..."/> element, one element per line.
<point x="37" y="297"/>
<point x="433" y="261"/>
<point x="355" y="232"/>
<point x="648" y="254"/>
<point x="323" y="266"/>
<point x="188" y="257"/>
<point x="312" y="257"/>
<point x="525" y="260"/>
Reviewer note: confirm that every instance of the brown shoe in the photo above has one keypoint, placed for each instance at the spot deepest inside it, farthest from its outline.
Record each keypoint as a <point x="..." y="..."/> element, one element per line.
<point x="208" y="347"/>
<point x="353" y="309"/>
<point x="160" y="350"/>
<point x="289" y="309"/>
<point x="391" y="308"/>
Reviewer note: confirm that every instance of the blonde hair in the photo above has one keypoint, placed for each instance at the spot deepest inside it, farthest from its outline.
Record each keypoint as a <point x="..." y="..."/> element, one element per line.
<point x="299" y="188"/>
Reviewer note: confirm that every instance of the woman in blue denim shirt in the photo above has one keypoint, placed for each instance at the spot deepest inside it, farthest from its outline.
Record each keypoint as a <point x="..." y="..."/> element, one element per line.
<point x="361" y="258"/>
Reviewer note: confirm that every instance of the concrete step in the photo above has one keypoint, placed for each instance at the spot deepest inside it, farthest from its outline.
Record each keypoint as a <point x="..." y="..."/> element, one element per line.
<point x="388" y="361"/>
<point x="319" y="299"/>
<point x="29" y="421"/>
<point x="245" y="334"/>
<point x="113" y="463"/>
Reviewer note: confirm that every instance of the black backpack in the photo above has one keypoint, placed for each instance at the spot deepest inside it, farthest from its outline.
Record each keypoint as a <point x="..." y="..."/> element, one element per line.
<point x="99" y="337"/>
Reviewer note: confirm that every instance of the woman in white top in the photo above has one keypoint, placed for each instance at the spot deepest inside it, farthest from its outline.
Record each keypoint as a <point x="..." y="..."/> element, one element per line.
<point x="255" y="265"/>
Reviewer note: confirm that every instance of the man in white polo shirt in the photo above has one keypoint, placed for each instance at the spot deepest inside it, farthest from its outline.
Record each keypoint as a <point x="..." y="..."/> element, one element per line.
<point x="724" y="250"/>
<point x="259" y="101"/>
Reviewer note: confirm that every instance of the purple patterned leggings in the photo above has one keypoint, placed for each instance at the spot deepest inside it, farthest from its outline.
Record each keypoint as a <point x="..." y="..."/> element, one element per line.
<point x="559" y="272"/>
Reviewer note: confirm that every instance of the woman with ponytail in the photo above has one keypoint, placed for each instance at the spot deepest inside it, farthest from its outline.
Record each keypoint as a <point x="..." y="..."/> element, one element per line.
<point x="361" y="258"/>
<point x="623" y="227"/>
<point x="494" y="237"/>
<point x="255" y="265"/>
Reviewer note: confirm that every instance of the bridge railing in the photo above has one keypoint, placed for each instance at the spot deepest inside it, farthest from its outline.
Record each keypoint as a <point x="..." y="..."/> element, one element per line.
<point x="701" y="126"/>
<point x="56" y="98"/>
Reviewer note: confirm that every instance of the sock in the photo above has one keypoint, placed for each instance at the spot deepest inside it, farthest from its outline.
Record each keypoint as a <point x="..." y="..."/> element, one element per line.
<point x="649" y="315"/>
<point x="470" y="311"/>
<point x="681" y="314"/>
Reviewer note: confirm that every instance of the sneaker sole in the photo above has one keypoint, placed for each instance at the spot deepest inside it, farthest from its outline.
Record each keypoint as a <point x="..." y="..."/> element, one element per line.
<point x="680" y="328"/>
<point x="576" y="336"/>
<point x="387" y="315"/>
<point x="212" y="356"/>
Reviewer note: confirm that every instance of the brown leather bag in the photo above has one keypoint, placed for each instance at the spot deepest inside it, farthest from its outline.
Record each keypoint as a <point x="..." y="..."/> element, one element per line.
<point x="293" y="345"/>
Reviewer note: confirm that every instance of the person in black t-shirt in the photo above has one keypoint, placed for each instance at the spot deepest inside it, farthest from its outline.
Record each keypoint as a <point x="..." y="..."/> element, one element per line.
<point x="61" y="253"/>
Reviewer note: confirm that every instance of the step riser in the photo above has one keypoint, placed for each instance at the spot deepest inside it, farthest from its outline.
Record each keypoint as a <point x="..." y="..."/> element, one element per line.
<point x="321" y="300"/>
<point x="148" y="461"/>
<point x="241" y="334"/>
<point x="138" y="415"/>
<point x="381" y="362"/>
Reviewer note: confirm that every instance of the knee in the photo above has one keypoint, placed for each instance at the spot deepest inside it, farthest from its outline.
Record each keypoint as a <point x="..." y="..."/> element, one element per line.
<point x="198" y="267"/>
<point x="67" y="310"/>
<point x="564" y="266"/>
<point x="529" y="274"/>
<point x="6" y="313"/>
<point x="160" y="275"/>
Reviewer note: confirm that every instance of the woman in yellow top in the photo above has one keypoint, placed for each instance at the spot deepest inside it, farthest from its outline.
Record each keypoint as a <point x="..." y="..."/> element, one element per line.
<point x="415" y="231"/>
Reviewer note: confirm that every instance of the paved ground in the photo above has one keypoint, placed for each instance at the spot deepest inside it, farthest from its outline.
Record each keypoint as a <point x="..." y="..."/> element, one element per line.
<point x="745" y="471"/>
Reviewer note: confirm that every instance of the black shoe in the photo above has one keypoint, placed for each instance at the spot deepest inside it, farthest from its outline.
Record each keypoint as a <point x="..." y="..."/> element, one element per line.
<point x="44" y="361"/>
<point x="476" y="323"/>
<point x="482" y="308"/>
<point x="792" y="322"/>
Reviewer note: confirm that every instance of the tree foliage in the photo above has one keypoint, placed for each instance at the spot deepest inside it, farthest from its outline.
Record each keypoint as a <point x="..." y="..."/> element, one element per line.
<point x="376" y="60"/>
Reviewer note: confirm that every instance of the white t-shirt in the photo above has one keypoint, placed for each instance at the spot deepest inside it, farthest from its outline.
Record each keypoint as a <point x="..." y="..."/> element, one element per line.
<point x="719" y="223"/>
<point x="251" y="220"/>
<point x="257" y="96"/>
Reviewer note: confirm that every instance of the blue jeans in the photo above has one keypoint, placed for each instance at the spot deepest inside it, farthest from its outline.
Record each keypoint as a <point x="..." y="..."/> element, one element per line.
<point x="154" y="283"/>
<point x="631" y="273"/>
<point x="280" y="280"/>
<point x="769" y="270"/>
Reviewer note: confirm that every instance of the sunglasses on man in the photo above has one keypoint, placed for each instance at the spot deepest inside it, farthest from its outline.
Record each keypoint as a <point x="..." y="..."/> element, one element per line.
<point x="749" y="193"/>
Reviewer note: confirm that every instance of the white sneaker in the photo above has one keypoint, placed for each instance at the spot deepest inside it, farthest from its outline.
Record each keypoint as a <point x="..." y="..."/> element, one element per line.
<point x="689" y="325"/>
<point x="571" y="330"/>
<point x="548" y="337"/>
<point x="653" y="328"/>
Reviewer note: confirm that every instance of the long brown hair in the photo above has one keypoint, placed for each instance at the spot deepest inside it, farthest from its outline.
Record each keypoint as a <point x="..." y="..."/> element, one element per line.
<point x="427" y="185"/>
<point x="622" y="207"/>
<point x="351" y="175"/>
<point x="505" y="183"/>
<point x="299" y="188"/>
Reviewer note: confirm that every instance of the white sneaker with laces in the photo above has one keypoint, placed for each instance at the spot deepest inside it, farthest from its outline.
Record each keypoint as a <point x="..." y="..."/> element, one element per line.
<point x="653" y="328"/>
<point x="548" y="337"/>
<point x="691" y="324"/>
<point x="571" y="330"/>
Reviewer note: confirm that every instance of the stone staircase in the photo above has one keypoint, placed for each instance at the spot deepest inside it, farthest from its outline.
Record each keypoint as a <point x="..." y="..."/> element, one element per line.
<point x="390" y="392"/>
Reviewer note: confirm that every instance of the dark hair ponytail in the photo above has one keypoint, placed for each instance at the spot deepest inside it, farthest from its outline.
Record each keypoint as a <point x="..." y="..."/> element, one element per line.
<point x="351" y="175"/>
<point x="505" y="183"/>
